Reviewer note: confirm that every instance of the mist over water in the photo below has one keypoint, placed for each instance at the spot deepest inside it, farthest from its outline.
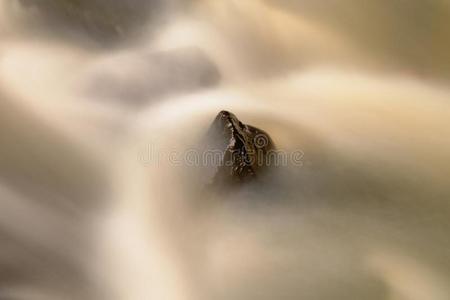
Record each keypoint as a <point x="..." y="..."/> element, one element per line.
<point x="89" y="90"/>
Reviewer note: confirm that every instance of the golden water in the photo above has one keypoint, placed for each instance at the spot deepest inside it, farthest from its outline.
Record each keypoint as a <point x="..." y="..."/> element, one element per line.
<point x="359" y="89"/>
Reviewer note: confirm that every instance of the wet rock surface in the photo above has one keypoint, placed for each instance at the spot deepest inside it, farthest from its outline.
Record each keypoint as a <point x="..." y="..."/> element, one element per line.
<point x="139" y="80"/>
<point x="106" y="21"/>
<point x="244" y="149"/>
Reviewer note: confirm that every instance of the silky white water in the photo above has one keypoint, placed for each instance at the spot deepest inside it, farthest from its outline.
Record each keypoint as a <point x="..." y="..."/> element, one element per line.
<point x="87" y="213"/>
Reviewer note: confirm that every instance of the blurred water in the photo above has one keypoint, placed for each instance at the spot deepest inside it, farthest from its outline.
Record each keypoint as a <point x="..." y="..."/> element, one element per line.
<point x="88" y="88"/>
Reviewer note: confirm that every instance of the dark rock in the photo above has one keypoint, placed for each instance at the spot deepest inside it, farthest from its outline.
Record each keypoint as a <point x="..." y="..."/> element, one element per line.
<point x="244" y="149"/>
<point x="106" y="21"/>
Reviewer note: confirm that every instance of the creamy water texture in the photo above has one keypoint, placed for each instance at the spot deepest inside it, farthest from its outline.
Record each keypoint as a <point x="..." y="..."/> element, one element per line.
<point x="98" y="195"/>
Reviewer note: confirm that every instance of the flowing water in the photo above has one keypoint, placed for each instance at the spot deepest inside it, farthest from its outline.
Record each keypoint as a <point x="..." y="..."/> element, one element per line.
<point x="102" y="108"/>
